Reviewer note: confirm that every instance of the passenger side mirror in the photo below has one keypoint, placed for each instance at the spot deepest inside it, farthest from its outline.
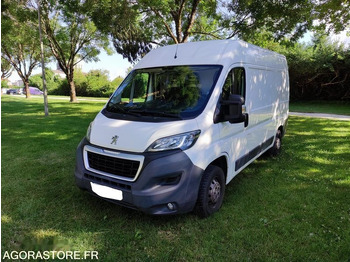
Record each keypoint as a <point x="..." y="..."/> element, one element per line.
<point x="231" y="110"/>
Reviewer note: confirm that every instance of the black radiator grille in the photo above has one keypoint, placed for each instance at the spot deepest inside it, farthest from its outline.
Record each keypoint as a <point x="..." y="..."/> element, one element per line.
<point x="112" y="165"/>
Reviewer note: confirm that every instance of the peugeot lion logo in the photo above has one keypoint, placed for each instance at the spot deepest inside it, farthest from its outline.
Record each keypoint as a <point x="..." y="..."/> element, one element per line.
<point x="114" y="140"/>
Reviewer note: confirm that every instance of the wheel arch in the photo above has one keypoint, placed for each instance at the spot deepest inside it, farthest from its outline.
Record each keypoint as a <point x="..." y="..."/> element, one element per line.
<point x="283" y="127"/>
<point x="282" y="130"/>
<point x="222" y="163"/>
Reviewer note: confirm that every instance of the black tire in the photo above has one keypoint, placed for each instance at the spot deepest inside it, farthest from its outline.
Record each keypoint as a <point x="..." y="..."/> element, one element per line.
<point x="211" y="192"/>
<point x="276" y="148"/>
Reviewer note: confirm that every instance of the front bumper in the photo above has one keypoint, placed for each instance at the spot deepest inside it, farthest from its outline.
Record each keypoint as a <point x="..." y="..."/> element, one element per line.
<point x="165" y="177"/>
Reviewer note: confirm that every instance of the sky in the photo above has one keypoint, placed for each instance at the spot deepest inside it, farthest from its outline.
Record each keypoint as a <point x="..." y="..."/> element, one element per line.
<point x="117" y="66"/>
<point x="341" y="37"/>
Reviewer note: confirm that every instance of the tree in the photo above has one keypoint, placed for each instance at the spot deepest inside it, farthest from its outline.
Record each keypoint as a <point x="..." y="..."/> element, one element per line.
<point x="137" y="25"/>
<point x="283" y="18"/>
<point x="122" y="21"/>
<point x="20" y="39"/>
<point x="327" y="75"/>
<point x="175" y="20"/>
<point x="6" y="69"/>
<point x="332" y="15"/>
<point x="72" y="36"/>
<point x="98" y="83"/>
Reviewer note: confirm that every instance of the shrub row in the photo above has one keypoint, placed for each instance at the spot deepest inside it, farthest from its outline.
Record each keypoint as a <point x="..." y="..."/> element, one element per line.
<point x="95" y="83"/>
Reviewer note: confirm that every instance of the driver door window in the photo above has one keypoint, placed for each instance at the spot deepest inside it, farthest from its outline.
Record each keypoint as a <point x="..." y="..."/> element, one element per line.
<point x="234" y="83"/>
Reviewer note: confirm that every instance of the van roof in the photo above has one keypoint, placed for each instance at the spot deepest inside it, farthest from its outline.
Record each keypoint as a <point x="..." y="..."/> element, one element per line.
<point x="213" y="52"/>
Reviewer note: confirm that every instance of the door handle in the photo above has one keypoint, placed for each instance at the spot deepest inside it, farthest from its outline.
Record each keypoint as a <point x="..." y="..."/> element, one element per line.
<point x="246" y="120"/>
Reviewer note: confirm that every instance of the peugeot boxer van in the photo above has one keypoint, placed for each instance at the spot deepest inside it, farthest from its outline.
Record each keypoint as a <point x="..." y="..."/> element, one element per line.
<point x="183" y="124"/>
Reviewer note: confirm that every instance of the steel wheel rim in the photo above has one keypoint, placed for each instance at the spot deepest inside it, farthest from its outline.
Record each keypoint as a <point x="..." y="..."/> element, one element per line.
<point x="214" y="191"/>
<point x="278" y="142"/>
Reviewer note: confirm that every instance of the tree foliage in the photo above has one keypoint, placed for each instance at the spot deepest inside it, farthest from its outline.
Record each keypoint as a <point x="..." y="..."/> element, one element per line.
<point x="77" y="30"/>
<point x="319" y="70"/>
<point x="4" y="83"/>
<point x="53" y="82"/>
<point x="173" y="21"/>
<point x="19" y="39"/>
<point x="333" y="16"/>
<point x="117" y="81"/>
<point x="6" y="68"/>
<point x="137" y="25"/>
<point x="121" y="20"/>
<point x="95" y="83"/>
<point x="280" y="17"/>
<point x="72" y="36"/>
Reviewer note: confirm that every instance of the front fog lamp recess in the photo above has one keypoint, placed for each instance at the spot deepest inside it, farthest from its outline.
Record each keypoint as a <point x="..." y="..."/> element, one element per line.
<point x="180" y="141"/>
<point x="171" y="206"/>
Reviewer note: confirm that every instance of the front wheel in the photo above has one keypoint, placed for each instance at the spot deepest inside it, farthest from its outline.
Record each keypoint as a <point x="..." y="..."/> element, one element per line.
<point x="211" y="192"/>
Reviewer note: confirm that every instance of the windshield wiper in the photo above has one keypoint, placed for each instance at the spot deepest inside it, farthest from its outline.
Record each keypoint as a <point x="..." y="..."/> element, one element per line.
<point x="122" y="110"/>
<point x="155" y="113"/>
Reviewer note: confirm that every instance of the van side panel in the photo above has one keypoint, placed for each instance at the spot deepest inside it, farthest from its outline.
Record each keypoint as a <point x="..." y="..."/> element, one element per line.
<point x="262" y="103"/>
<point x="267" y="100"/>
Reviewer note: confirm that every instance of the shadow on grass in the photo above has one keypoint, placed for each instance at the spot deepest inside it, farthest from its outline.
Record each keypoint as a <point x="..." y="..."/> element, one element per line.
<point x="280" y="201"/>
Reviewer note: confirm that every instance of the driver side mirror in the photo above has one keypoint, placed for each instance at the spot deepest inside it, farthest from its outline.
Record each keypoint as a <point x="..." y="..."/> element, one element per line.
<point x="231" y="110"/>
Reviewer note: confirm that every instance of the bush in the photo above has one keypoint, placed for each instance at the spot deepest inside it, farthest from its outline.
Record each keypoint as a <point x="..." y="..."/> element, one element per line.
<point x="61" y="89"/>
<point x="95" y="83"/>
<point x="55" y="85"/>
<point x="4" y="83"/>
<point x="319" y="71"/>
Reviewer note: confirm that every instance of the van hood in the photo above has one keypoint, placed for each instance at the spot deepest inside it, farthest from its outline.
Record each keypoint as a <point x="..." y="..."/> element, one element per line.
<point x="134" y="136"/>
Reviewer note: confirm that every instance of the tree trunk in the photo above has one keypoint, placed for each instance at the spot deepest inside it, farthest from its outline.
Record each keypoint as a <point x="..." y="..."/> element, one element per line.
<point x="26" y="88"/>
<point x="73" y="97"/>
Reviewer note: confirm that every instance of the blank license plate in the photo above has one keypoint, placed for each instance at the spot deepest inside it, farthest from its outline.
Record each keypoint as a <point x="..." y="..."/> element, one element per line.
<point x="107" y="192"/>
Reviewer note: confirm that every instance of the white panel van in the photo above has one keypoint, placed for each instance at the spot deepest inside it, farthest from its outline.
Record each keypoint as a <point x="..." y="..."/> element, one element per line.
<point x="182" y="124"/>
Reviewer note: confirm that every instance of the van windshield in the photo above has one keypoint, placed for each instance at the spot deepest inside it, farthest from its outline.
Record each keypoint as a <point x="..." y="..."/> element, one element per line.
<point x="177" y="92"/>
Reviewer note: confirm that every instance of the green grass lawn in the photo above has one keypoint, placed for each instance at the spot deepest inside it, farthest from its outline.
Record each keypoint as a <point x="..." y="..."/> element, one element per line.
<point x="295" y="207"/>
<point x="331" y="107"/>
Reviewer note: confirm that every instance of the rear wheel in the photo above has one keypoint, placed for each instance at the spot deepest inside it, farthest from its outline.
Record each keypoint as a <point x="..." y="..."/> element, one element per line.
<point x="276" y="148"/>
<point x="211" y="192"/>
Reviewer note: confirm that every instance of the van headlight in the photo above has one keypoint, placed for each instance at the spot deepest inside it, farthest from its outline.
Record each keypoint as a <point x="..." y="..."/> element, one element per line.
<point x="88" y="132"/>
<point x="181" y="141"/>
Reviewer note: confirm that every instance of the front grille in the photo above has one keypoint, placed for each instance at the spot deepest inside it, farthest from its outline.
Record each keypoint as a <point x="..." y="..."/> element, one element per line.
<point x="113" y="165"/>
